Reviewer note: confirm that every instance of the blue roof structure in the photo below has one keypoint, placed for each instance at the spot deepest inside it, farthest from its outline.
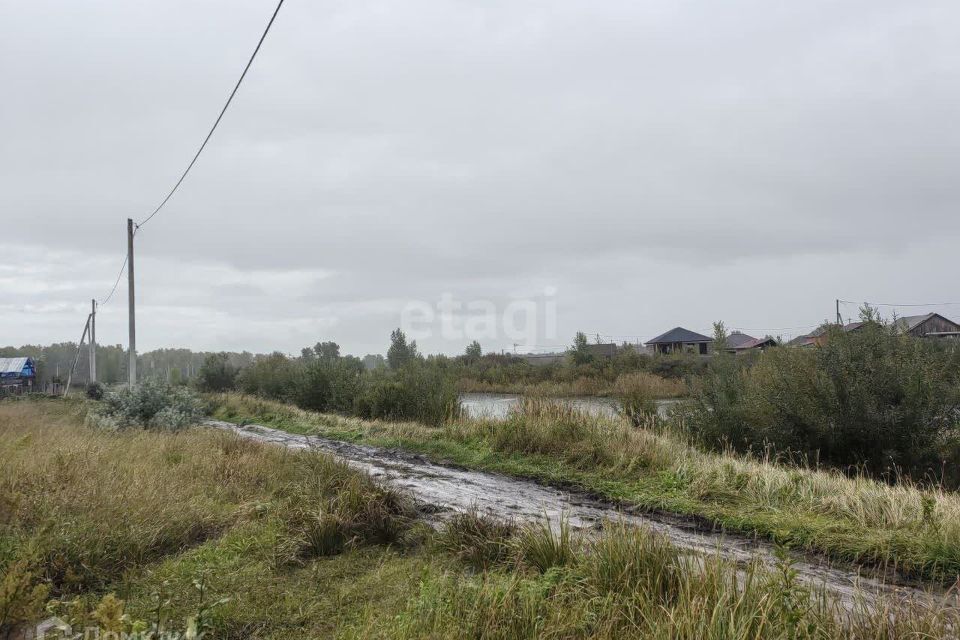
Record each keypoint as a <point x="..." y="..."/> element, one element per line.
<point x="17" y="368"/>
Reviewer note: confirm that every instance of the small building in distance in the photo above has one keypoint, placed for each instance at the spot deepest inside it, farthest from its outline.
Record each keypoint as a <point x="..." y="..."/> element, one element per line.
<point x="602" y="349"/>
<point x="17" y="375"/>
<point x="541" y="359"/>
<point x="680" y="340"/>
<point x="739" y="342"/>
<point x="929" y="325"/>
<point x="819" y="335"/>
<point x="598" y="351"/>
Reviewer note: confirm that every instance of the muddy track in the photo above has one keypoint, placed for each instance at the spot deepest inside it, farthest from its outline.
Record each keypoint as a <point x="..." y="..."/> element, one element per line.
<point x="452" y="489"/>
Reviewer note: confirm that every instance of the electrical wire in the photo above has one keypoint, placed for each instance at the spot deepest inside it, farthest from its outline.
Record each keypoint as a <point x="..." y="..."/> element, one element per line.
<point x="123" y="268"/>
<point x="891" y="304"/>
<point x="196" y="156"/>
<point x="219" y="117"/>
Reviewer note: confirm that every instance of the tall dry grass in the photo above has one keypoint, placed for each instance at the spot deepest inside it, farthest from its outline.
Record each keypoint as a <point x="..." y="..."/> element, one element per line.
<point x="81" y="506"/>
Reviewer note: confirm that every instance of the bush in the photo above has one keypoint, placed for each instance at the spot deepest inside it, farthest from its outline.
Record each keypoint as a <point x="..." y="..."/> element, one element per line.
<point x="273" y="376"/>
<point x="216" y="374"/>
<point x="154" y="405"/>
<point x="95" y="391"/>
<point x="885" y="402"/>
<point x="417" y="391"/>
<point x="329" y="385"/>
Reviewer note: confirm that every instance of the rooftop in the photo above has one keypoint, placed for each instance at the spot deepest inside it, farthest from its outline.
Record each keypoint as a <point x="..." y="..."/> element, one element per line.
<point x="679" y="334"/>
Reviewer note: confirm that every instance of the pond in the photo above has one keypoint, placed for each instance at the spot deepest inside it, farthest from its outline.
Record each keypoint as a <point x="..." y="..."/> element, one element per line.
<point x="498" y="405"/>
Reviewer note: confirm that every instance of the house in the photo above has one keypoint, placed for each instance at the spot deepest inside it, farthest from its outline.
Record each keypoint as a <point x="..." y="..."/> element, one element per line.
<point x="739" y="342"/>
<point x="929" y="325"/>
<point x="17" y="374"/>
<point x="602" y="349"/>
<point x="819" y="335"/>
<point x="597" y="351"/>
<point x="542" y="359"/>
<point x="680" y="340"/>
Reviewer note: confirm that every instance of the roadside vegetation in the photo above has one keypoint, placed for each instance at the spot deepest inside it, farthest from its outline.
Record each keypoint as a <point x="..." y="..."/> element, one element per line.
<point x="578" y="373"/>
<point x="872" y="401"/>
<point x="144" y="514"/>
<point x="406" y="387"/>
<point x="910" y="529"/>
<point x="197" y="530"/>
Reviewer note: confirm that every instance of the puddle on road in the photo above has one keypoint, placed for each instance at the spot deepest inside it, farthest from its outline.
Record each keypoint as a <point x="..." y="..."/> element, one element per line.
<point x="459" y="490"/>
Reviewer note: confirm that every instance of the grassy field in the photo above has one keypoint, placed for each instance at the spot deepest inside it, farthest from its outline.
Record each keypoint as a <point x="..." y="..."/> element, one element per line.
<point x="913" y="531"/>
<point x="133" y="530"/>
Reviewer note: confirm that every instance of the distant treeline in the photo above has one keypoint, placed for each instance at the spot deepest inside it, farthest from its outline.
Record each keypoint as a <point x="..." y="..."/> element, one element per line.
<point x="170" y="365"/>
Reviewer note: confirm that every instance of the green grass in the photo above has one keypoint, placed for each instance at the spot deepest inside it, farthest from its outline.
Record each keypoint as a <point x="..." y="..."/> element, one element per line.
<point x="85" y="512"/>
<point x="133" y="529"/>
<point x="913" y="531"/>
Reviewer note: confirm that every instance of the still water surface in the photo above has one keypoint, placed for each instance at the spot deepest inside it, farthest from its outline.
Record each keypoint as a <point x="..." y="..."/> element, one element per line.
<point x="498" y="405"/>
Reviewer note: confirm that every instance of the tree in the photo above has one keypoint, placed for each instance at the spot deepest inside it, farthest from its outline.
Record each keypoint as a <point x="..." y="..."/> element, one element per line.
<point x="216" y="373"/>
<point x="400" y="352"/>
<point x="580" y="350"/>
<point x="374" y="361"/>
<point x="474" y="352"/>
<point x="719" y="337"/>
<point x="327" y="350"/>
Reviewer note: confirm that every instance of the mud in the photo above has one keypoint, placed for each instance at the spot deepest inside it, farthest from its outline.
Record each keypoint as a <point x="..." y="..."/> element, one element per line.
<point x="449" y="490"/>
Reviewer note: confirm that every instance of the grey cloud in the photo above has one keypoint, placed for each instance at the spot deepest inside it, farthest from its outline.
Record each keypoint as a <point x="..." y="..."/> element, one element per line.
<point x="397" y="151"/>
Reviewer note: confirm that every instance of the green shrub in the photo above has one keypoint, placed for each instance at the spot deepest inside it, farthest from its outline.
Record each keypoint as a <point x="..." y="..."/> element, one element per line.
<point x="273" y="376"/>
<point x="417" y="391"/>
<point x="885" y="402"/>
<point x="154" y="405"/>
<point x="216" y="374"/>
<point x="95" y="391"/>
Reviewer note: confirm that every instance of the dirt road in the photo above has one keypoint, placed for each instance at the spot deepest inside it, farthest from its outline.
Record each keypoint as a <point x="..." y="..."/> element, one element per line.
<point x="455" y="490"/>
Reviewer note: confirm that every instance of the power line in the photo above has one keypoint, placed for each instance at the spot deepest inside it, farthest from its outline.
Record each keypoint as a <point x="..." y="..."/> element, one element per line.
<point x="116" y="283"/>
<point x="219" y="117"/>
<point x="806" y="326"/>
<point x="236" y="87"/>
<point x="891" y="304"/>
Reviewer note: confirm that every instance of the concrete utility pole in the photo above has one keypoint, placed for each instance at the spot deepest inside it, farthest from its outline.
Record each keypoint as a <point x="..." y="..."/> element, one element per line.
<point x="93" y="340"/>
<point x="839" y="319"/>
<point x="131" y="307"/>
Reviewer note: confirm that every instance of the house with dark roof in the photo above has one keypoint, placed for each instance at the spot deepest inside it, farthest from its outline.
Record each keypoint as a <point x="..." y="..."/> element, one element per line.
<point x="739" y="342"/>
<point x="928" y="325"/>
<point x="680" y="340"/>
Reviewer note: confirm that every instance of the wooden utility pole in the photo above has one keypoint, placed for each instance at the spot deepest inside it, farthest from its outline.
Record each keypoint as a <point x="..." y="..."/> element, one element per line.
<point x="839" y="319"/>
<point x="76" y="359"/>
<point x="131" y="307"/>
<point x="93" y="340"/>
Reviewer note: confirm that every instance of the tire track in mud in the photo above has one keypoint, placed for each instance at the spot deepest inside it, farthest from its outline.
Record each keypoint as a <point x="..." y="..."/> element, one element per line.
<point x="453" y="489"/>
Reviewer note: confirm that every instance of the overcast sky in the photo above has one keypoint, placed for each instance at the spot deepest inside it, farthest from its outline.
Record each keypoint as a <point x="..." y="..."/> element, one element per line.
<point x="655" y="163"/>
